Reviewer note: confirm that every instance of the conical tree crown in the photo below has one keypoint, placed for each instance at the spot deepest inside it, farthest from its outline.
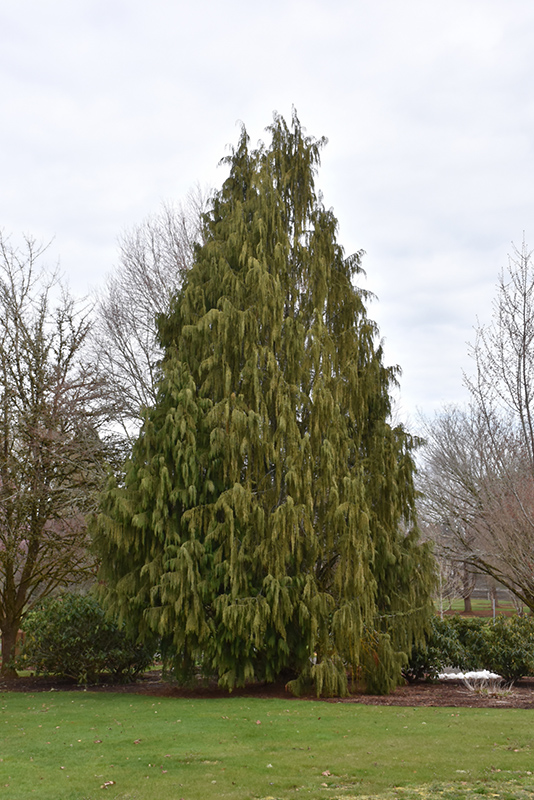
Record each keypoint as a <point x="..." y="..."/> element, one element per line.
<point x="259" y="530"/>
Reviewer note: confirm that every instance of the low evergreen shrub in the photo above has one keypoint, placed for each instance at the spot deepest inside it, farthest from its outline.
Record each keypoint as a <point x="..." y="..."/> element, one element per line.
<point x="509" y="647"/>
<point x="442" y="647"/>
<point x="504" y="646"/>
<point x="469" y="632"/>
<point x="70" y="636"/>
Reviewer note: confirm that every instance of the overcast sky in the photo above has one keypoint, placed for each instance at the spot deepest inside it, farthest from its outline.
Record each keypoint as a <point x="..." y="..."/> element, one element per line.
<point x="110" y="107"/>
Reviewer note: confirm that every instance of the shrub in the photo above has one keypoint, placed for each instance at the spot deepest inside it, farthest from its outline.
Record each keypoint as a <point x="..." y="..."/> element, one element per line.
<point x="509" y="647"/>
<point x="70" y="636"/>
<point x="471" y="637"/>
<point x="442" y="648"/>
<point x="504" y="646"/>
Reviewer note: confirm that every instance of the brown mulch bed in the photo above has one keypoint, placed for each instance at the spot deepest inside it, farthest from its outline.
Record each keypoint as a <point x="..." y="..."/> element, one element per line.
<point x="454" y="693"/>
<point x="443" y="693"/>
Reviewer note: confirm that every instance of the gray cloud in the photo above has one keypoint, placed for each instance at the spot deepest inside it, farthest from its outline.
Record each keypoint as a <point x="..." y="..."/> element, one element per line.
<point x="110" y="108"/>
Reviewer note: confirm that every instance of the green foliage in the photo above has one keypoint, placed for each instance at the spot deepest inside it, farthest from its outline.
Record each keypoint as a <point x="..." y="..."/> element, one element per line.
<point x="471" y="633"/>
<point x="442" y="647"/>
<point x="69" y="635"/>
<point x="509" y="647"/>
<point x="504" y="646"/>
<point x="380" y="665"/>
<point x="265" y="522"/>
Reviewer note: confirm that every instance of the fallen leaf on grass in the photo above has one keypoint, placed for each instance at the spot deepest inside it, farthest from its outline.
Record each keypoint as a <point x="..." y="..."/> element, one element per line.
<point x="97" y="741"/>
<point x="137" y="741"/>
<point x="326" y="773"/>
<point x="107" y="783"/>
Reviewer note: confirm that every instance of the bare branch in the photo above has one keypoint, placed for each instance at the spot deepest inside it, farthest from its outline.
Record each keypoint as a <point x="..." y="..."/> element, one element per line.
<point x="153" y="260"/>
<point x="54" y="410"/>
<point x="478" y="475"/>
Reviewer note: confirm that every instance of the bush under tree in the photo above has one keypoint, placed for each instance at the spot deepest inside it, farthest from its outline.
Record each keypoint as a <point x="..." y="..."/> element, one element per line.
<point x="70" y="636"/>
<point x="504" y="646"/>
<point x="509" y="647"/>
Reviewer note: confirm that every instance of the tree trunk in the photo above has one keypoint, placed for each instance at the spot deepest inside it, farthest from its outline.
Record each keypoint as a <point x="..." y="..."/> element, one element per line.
<point x="9" y="638"/>
<point x="467" y="605"/>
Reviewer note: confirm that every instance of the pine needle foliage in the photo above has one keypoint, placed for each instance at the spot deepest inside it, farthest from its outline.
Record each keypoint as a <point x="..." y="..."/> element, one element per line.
<point x="262" y="527"/>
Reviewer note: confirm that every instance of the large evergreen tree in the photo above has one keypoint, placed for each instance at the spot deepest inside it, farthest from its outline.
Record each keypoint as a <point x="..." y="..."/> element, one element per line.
<point x="264" y="525"/>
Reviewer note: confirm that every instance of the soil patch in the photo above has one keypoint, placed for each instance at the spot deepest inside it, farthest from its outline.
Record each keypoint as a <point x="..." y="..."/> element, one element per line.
<point x="453" y="693"/>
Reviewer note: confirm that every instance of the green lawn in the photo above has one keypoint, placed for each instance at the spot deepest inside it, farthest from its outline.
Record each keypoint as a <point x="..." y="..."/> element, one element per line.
<point x="66" y="746"/>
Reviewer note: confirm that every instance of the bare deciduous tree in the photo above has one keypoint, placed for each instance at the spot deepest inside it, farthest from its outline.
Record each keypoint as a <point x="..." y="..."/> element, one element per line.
<point x="53" y="407"/>
<point x="478" y="477"/>
<point x="153" y="259"/>
<point x="503" y="353"/>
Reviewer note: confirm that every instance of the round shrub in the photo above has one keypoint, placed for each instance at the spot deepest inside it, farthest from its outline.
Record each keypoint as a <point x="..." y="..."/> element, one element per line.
<point x="470" y="632"/>
<point x="509" y="647"/>
<point x="70" y="636"/>
<point x="504" y="646"/>
<point x="442" y="648"/>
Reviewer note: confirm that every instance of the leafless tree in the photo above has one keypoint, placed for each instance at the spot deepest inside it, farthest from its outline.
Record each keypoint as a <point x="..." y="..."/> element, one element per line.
<point x="452" y="469"/>
<point x="53" y="410"/>
<point x="503" y="354"/>
<point x="478" y="474"/>
<point x="153" y="260"/>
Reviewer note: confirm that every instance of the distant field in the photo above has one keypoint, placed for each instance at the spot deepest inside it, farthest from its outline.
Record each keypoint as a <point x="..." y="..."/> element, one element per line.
<point x="481" y="607"/>
<point x="83" y="746"/>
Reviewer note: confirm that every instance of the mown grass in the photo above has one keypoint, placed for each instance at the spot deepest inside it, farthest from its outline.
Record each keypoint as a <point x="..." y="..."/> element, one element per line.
<point x="66" y="746"/>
